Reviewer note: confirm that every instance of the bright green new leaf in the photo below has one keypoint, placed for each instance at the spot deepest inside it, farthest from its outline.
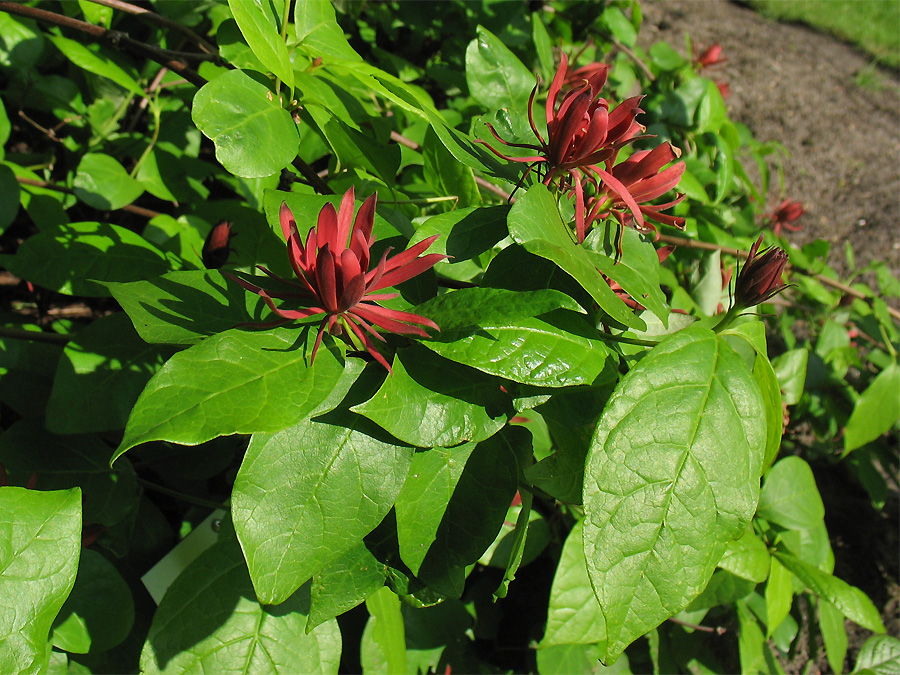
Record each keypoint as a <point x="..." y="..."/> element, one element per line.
<point x="789" y="496"/>
<point x="94" y="60"/>
<point x="237" y="382"/>
<point x="880" y="655"/>
<point x="259" y="23"/>
<point x="790" y="368"/>
<point x="573" y="616"/>
<point x="387" y="630"/>
<point x="70" y="258"/>
<point x="307" y="495"/>
<point x="535" y="223"/>
<point x="210" y="622"/>
<point x="100" y="375"/>
<point x="254" y="135"/>
<point x="751" y="643"/>
<point x="39" y="558"/>
<point x="851" y="601"/>
<point x="103" y="183"/>
<point x="431" y="402"/>
<point x="318" y="32"/>
<point x="876" y="411"/>
<point x="834" y="635"/>
<point x="543" y="45"/>
<point x="671" y="476"/>
<point x="746" y="557"/>
<point x="99" y="611"/>
<point x="779" y="595"/>
<point x="496" y="77"/>
<point x="5" y="128"/>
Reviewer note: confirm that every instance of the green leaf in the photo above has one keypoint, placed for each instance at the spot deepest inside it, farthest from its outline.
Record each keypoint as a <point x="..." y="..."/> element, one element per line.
<point x="619" y="26"/>
<point x="464" y="234"/>
<point x="451" y="540"/>
<point x="573" y="616"/>
<point x="99" y="611"/>
<point x="876" y="411"/>
<point x="307" y="495"/>
<point x="880" y="655"/>
<point x="253" y="134"/>
<point x="100" y="376"/>
<point x="534" y="222"/>
<point x="103" y="183"/>
<point x="851" y="601"/>
<point x="9" y="188"/>
<point x="834" y="635"/>
<point x="789" y="496"/>
<point x="354" y="148"/>
<point x="39" y="557"/>
<point x="236" y="382"/>
<point x="779" y="595"/>
<point x="259" y="22"/>
<point x="318" y="31"/>
<point x="751" y="642"/>
<point x="711" y="112"/>
<point x="431" y="402"/>
<point x="95" y="60"/>
<point x="344" y="583"/>
<point x="543" y="45"/>
<point x="671" y="476"/>
<point x="186" y="307"/>
<point x="568" y="659"/>
<point x="210" y="622"/>
<point x="496" y="77"/>
<point x="71" y="258"/>
<point x="446" y="175"/>
<point x="790" y="368"/>
<point x="387" y="629"/>
<point x="5" y="128"/>
<point x="746" y="557"/>
<point x="63" y="462"/>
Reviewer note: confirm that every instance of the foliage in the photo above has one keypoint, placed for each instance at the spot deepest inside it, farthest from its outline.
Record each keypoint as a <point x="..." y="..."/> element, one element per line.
<point x="599" y="457"/>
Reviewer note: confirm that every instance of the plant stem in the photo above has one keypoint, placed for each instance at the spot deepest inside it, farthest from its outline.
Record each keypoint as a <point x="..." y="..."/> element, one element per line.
<point x="138" y="210"/>
<point x="627" y="340"/>
<point x="33" y="335"/>
<point x="190" y="499"/>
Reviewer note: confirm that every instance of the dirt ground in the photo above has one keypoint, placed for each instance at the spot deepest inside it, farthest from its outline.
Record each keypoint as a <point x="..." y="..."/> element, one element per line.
<point x="835" y="112"/>
<point x="839" y="118"/>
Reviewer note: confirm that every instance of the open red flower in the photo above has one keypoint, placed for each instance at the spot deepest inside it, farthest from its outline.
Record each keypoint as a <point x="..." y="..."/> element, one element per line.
<point x="784" y="215"/>
<point x="332" y="267"/>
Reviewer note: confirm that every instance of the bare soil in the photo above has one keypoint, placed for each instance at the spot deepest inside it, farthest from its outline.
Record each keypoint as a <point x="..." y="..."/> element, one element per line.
<point x="838" y="116"/>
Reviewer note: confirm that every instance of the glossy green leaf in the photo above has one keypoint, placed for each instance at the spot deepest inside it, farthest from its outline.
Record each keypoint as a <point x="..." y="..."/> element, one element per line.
<point x="568" y="659"/>
<point x="789" y="496"/>
<point x="543" y="45"/>
<point x="671" y="476"/>
<point x="99" y="611"/>
<point x="344" y="583"/>
<point x="446" y="175"/>
<point x="724" y="588"/>
<point x="431" y="402"/>
<point x="307" y="495"/>
<point x="318" y="32"/>
<point x="880" y="655"/>
<point x="5" y="128"/>
<point x="71" y="258"/>
<point x="186" y="307"/>
<point x="259" y="23"/>
<point x="103" y="183"/>
<point x="39" y="558"/>
<point x="439" y="547"/>
<point x="387" y="629"/>
<point x="751" y="643"/>
<point x="779" y="595"/>
<point x="790" y="368"/>
<point x="619" y="26"/>
<point x="253" y="134"/>
<point x="534" y="222"/>
<point x="834" y="635"/>
<point x="496" y="77"/>
<point x="851" y="601"/>
<point x="876" y="411"/>
<point x="237" y="382"/>
<point x="210" y="622"/>
<point x="59" y="462"/>
<point x="746" y="557"/>
<point x="94" y="59"/>
<point x="573" y="616"/>
<point x="464" y="234"/>
<point x="354" y="148"/>
<point x="100" y="375"/>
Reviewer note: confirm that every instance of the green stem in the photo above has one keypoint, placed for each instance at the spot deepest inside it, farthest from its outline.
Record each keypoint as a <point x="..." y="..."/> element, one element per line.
<point x="733" y="312"/>
<point x="627" y="340"/>
<point x="190" y="499"/>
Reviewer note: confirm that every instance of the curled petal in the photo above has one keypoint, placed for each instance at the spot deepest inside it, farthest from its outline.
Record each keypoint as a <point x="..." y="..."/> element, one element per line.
<point x="286" y="218"/>
<point x="325" y="279"/>
<point x="345" y="221"/>
<point x="556" y="85"/>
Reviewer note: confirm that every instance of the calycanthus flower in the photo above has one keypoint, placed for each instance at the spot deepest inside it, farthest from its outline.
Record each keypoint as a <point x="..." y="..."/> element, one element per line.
<point x="786" y="213"/>
<point x="760" y="276"/>
<point x="583" y="141"/>
<point x="334" y="279"/>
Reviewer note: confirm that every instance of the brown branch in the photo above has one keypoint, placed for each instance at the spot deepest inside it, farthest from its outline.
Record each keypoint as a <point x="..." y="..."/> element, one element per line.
<point x="34" y="335"/>
<point x="718" y="630"/>
<point x="113" y="38"/>
<point x="314" y="179"/>
<point x="131" y="208"/>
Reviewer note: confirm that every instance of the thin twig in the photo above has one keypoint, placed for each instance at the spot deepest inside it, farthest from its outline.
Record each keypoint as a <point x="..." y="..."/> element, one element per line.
<point x="34" y="336"/>
<point x="630" y="54"/>
<point x="718" y="630"/>
<point x="190" y="499"/>
<point x="316" y="181"/>
<point x="131" y="208"/>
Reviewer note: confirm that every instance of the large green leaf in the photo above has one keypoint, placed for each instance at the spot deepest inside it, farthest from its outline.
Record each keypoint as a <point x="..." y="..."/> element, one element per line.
<point x="103" y="183"/>
<point x="100" y="375"/>
<point x="789" y="496"/>
<point x="834" y="635"/>
<point x="254" y="135"/>
<point x="496" y="77"/>
<point x="854" y="604"/>
<point x="99" y="612"/>
<point x="210" y="622"/>
<point x="259" y="23"/>
<point x="237" y="382"/>
<point x="307" y="495"/>
<point x="535" y="223"/>
<point x="671" y="476"/>
<point x="186" y="307"/>
<point x="318" y="32"/>
<point x="70" y="258"/>
<point x="94" y="59"/>
<point x="38" y="558"/>
<point x="573" y="616"/>
<point x="880" y="655"/>
<point x="876" y="411"/>
<point x="384" y="640"/>
<point x="344" y="583"/>
<point x="61" y="462"/>
<point x="431" y="402"/>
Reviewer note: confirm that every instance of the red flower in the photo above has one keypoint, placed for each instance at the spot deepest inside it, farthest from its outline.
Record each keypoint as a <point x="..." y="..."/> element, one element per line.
<point x="784" y="215"/>
<point x="335" y="279"/>
<point x="217" y="246"/>
<point x="760" y="276"/>
<point x="711" y="56"/>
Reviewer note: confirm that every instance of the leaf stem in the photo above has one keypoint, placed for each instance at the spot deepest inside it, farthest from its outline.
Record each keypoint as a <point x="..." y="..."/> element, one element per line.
<point x="627" y="340"/>
<point x="190" y="499"/>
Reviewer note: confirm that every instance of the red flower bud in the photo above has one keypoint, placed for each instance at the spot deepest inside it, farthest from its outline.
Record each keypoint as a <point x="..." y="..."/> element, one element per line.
<point x="760" y="276"/>
<point x="217" y="245"/>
